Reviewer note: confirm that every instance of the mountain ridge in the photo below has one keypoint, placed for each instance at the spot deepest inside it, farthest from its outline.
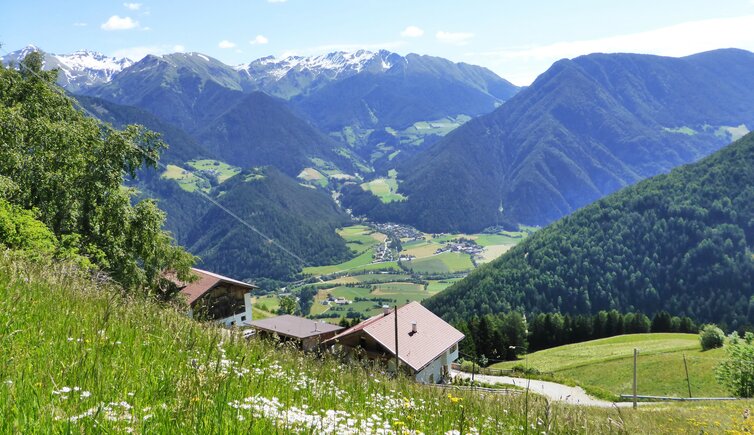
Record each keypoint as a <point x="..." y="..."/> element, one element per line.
<point x="574" y="136"/>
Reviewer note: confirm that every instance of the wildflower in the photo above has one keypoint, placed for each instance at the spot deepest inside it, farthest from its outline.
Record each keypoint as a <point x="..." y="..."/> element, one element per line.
<point x="85" y="394"/>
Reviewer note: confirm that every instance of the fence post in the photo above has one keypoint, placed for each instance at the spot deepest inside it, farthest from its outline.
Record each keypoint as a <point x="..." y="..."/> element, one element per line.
<point x="636" y="354"/>
<point x="685" y="366"/>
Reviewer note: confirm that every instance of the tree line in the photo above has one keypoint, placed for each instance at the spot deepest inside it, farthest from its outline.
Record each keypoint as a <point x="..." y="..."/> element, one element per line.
<point x="505" y="336"/>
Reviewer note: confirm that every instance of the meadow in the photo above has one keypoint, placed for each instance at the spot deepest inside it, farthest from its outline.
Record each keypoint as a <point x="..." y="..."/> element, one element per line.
<point x="607" y="364"/>
<point x="385" y="188"/>
<point x="80" y="356"/>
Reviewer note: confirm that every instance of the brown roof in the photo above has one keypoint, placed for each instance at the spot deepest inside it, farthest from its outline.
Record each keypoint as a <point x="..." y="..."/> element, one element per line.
<point x="433" y="336"/>
<point x="294" y="326"/>
<point x="207" y="280"/>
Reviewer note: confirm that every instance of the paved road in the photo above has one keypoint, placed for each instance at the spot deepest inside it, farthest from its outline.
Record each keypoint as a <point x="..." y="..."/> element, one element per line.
<point x="551" y="390"/>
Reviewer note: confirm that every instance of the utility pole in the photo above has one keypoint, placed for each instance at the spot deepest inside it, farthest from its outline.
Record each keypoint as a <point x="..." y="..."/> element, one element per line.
<point x="397" y="361"/>
<point x="685" y="366"/>
<point x="636" y="354"/>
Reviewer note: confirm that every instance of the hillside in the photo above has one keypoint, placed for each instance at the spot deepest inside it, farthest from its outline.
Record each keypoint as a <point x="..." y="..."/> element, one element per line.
<point x="259" y="130"/>
<point x="679" y="242"/>
<point x="184" y="89"/>
<point x="408" y="89"/>
<point x="130" y="365"/>
<point x="584" y="129"/>
<point x="301" y="219"/>
<point x="181" y="146"/>
<point x="608" y="364"/>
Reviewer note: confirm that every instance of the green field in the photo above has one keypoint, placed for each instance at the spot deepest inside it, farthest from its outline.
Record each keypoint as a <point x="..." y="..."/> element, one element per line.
<point x="313" y="175"/>
<point x="385" y="188"/>
<point x="608" y="364"/>
<point x="447" y="262"/>
<point x="268" y="303"/>
<point x="398" y="292"/>
<point x="185" y="179"/>
<point x="221" y="170"/>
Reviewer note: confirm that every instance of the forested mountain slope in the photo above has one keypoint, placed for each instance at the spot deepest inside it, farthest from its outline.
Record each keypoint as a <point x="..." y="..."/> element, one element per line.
<point x="680" y="242"/>
<point x="582" y="130"/>
<point x="301" y="219"/>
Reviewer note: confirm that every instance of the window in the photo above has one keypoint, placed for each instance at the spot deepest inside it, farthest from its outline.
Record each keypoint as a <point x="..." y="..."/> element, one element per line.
<point x="243" y="318"/>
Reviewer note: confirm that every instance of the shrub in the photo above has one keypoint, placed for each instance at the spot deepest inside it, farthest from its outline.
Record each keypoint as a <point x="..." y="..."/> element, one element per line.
<point x="711" y="337"/>
<point x="736" y="371"/>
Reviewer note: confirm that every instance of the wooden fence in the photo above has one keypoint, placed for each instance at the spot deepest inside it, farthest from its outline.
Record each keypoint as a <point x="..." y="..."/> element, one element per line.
<point x="505" y="391"/>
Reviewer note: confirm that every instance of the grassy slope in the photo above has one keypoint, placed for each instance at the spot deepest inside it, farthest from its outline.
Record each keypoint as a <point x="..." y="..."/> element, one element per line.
<point x="608" y="363"/>
<point x="99" y="362"/>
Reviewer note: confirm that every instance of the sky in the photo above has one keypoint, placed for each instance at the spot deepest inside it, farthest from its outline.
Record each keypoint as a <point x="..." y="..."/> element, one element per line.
<point x="518" y="40"/>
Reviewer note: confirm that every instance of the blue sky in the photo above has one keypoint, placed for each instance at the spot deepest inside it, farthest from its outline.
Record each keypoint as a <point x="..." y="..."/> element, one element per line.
<point x="516" y="39"/>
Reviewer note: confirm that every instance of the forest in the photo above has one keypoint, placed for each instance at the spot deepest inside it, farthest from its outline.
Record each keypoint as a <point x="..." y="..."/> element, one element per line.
<point x="679" y="242"/>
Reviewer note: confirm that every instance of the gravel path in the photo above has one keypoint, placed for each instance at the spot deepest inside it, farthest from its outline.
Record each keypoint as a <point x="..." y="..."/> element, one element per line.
<point x="551" y="390"/>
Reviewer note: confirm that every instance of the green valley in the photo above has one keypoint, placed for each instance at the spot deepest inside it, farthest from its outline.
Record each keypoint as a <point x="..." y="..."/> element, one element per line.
<point x="382" y="271"/>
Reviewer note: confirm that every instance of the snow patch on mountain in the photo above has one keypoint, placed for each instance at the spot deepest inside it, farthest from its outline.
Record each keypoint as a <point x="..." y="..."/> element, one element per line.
<point x="79" y="69"/>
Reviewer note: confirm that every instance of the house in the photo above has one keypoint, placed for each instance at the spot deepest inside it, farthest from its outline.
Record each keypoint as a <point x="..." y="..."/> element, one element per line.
<point x="216" y="297"/>
<point x="427" y="345"/>
<point x="308" y="333"/>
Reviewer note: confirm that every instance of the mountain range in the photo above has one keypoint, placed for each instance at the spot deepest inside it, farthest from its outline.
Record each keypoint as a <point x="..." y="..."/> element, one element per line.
<point x="582" y="130"/>
<point x="680" y="242"/>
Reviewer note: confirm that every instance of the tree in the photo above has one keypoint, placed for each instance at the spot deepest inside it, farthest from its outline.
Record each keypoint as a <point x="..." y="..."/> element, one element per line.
<point x="662" y="322"/>
<point x="736" y="370"/>
<point x="70" y="169"/>
<point x="711" y="337"/>
<point x="287" y="305"/>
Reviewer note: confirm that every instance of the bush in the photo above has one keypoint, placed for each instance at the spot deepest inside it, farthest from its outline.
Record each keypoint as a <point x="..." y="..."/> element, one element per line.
<point x="736" y="371"/>
<point x="711" y="337"/>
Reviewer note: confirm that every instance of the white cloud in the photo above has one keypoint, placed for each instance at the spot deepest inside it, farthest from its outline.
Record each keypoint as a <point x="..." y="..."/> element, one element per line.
<point x="179" y="48"/>
<point x="117" y="23"/>
<point x="226" y="44"/>
<point x="259" y="39"/>
<point x="79" y="24"/>
<point x="455" y="38"/>
<point x="523" y="64"/>
<point x="132" y="6"/>
<point x="412" y="32"/>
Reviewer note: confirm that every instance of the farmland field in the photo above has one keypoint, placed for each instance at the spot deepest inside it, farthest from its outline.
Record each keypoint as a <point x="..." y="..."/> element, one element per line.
<point x="185" y="179"/>
<point x="427" y="273"/>
<point x="313" y="175"/>
<point x="608" y="364"/>
<point x="219" y="169"/>
<point x="385" y="188"/>
<point x="447" y="262"/>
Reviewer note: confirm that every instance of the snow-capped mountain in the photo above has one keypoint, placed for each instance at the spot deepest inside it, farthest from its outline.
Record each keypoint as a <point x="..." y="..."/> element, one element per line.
<point x="79" y="69"/>
<point x="295" y="75"/>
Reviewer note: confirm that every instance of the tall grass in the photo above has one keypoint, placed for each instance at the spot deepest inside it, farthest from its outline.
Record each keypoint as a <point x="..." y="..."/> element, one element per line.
<point x="79" y="356"/>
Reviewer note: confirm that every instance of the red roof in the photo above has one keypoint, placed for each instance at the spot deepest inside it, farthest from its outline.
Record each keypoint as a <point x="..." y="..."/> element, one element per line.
<point x="433" y="335"/>
<point x="206" y="282"/>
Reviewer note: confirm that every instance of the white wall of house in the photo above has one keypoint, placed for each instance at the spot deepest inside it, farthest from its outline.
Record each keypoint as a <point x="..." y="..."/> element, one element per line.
<point x="241" y="319"/>
<point x="432" y="373"/>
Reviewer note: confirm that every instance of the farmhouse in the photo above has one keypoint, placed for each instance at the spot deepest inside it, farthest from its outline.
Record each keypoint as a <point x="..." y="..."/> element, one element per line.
<point x="427" y="345"/>
<point x="309" y="334"/>
<point x="216" y="297"/>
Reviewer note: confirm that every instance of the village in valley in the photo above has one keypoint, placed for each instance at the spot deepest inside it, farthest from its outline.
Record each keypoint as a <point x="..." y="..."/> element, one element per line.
<point x="353" y="306"/>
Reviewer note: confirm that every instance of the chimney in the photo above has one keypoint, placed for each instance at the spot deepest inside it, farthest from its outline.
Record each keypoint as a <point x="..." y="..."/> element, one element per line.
<point x="385" y="310"/>
<point x="413" y="327"/>
<point x="316" y="326"/>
